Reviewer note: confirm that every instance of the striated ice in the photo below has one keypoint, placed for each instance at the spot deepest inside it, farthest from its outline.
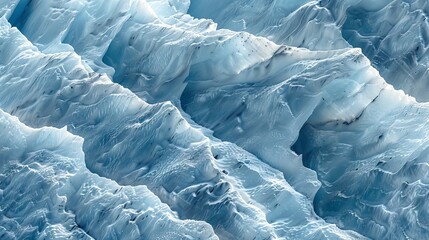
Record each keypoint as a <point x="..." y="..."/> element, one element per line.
<point x="392" y="34"/>
<point x="136" y="143"/>
<point x="207" y="119"/>
<point x="47" y="193"/>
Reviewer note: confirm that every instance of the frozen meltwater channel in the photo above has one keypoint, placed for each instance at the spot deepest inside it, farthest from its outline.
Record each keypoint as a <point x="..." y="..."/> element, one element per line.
<point x="189" y="128"/>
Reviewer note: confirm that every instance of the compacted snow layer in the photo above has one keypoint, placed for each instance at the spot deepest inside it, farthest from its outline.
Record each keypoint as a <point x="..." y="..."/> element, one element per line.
<point x="226" y="128"/>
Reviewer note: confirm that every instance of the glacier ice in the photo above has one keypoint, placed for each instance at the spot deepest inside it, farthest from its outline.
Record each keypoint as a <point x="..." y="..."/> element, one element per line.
<point x="231" y="125"/>
<point x="197" y="176"/>
<point x="392" y="34"/>
<point x="48" y="193"/>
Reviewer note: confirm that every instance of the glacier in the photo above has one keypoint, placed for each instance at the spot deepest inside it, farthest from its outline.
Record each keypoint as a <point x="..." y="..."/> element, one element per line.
<point x="209" y="119"/>
<point x="47" y="192"/>
<point x="392" y="34"/>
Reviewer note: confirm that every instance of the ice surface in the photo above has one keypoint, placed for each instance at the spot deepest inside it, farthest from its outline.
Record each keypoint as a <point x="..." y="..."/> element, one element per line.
<point x="395" y="37"/>
<point x="152" y="66"/>
<point x="47" y="193"/>
<point x="239" y="126"/>
<point x="135" y="143"/>
<point x="299" y="23"/>
<point x="392" y="34"/>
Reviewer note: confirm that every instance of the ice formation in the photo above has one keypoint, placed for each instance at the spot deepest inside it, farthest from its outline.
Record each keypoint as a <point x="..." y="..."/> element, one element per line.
<point x="393" y="34"/>
<point x="47" y="192"/>
<point x="213" y="119"/>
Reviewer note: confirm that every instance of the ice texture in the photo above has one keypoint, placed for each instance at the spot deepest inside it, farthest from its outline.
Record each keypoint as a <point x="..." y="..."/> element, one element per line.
<point x="48" y="193"/>
<point x="213" y="119"/>
<point x="392" y="34"/>
<point x="136" y="143"/>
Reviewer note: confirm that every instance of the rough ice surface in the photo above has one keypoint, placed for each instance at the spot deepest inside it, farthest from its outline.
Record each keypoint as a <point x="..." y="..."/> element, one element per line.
<point x="214" y="119"/>
<point x="48" y="193"/>
<point x="393" y="34"/>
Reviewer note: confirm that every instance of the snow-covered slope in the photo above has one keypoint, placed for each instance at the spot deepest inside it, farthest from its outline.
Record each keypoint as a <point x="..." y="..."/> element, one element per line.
<point x="373" y="167"/>
<point x="299" y="23"/>
<point x="239" y="133"/>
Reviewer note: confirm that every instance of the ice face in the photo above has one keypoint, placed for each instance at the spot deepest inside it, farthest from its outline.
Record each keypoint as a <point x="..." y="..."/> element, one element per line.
<point x="380" y="160"/>
<point x="186" y="130"/>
